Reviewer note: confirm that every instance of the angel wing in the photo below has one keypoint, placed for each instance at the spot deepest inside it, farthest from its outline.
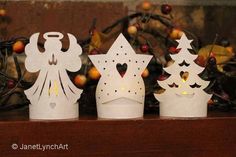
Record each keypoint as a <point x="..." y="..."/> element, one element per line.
<point x="71" y="59"/>
<point x="34" y="57"/>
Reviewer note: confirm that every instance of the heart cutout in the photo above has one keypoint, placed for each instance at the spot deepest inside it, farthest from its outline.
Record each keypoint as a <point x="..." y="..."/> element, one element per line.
<point x="184" y="75"/>
<point x="52" y="105"/>
<point x="121" y="68"/>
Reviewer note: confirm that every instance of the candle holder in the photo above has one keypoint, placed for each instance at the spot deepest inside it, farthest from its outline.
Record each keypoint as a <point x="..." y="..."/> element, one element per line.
<point x="184" y="95"/>
<point x="53" y="95"/>
<point x="120" y="91"/>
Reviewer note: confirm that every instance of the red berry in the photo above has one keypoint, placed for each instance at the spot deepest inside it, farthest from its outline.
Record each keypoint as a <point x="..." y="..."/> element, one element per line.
<point x="166" y="8"/>
<point x="93" y="52"/>
<point x="162" y="77"/>
<point x="138" y="26"/>
<point x="10" y="84"/>
<point x="144" y="48"/>
<point x="173" y="50"/>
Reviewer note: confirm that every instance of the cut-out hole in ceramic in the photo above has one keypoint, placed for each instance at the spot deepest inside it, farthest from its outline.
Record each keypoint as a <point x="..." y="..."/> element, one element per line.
<point x="195" y="85"/>
<point x="184" y="64"/>
<point x="184" y="75"/>
<point x="121" y="68"/>
<point x="53" y="105"/>
<point x="173" y="85"/>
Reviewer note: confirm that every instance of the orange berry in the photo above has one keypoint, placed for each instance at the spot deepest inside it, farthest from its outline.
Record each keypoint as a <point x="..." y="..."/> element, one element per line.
<point x="176" y="33"/>
<point x="180" y="34"/>
<point x="80" y="80"/>
<point x="146" y="5"/>
<point x="132" y="30"/>
<point x="94" y="74"/>
<point x="18" y="47"/>
<point x="145" y="73"/>
<point x="3" y="12"/>
<point x="210" y="102"/>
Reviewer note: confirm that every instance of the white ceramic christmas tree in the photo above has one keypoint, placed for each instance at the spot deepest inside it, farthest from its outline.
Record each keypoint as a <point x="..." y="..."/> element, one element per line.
<point x="53" y="95"/>
<point x="120" y="96"/>
<point x="184" y="95"/>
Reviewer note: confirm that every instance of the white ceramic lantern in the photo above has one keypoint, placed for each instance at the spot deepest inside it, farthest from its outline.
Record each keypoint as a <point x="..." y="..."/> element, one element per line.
<point x="184" y="95"/>
<point x="120" y="95"/>
<point x="53" y="95"/>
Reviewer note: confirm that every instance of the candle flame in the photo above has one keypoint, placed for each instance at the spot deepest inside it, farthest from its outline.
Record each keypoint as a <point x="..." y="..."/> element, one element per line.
<point x="122" y="88"/>
<point x="54" y="88"/>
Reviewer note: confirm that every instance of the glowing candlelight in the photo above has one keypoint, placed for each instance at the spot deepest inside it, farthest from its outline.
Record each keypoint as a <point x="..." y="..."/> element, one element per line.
<point x="54" y="88"/>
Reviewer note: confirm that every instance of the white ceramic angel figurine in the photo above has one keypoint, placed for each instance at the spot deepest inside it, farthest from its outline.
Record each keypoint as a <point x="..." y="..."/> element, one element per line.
<point x="53" y="96"/>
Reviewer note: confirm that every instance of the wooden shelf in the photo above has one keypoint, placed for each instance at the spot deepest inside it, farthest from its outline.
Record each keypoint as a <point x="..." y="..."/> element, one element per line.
<point x="149" y="136"/>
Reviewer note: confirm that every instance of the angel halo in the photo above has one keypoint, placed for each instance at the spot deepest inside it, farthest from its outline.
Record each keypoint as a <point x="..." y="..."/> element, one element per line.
<point x="53" y="95"/>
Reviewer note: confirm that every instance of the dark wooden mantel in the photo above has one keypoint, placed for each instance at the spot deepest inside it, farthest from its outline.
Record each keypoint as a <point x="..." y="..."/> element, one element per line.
<point x="214" y="136"/>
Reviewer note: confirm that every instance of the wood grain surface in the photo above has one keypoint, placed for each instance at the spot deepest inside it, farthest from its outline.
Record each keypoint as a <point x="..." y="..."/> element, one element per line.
<point x="152" y="136"/>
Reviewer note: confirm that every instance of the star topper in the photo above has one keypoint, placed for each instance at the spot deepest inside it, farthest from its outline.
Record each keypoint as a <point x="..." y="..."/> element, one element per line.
<point x="184" y="42"/>
<point x="125" y="84"/>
